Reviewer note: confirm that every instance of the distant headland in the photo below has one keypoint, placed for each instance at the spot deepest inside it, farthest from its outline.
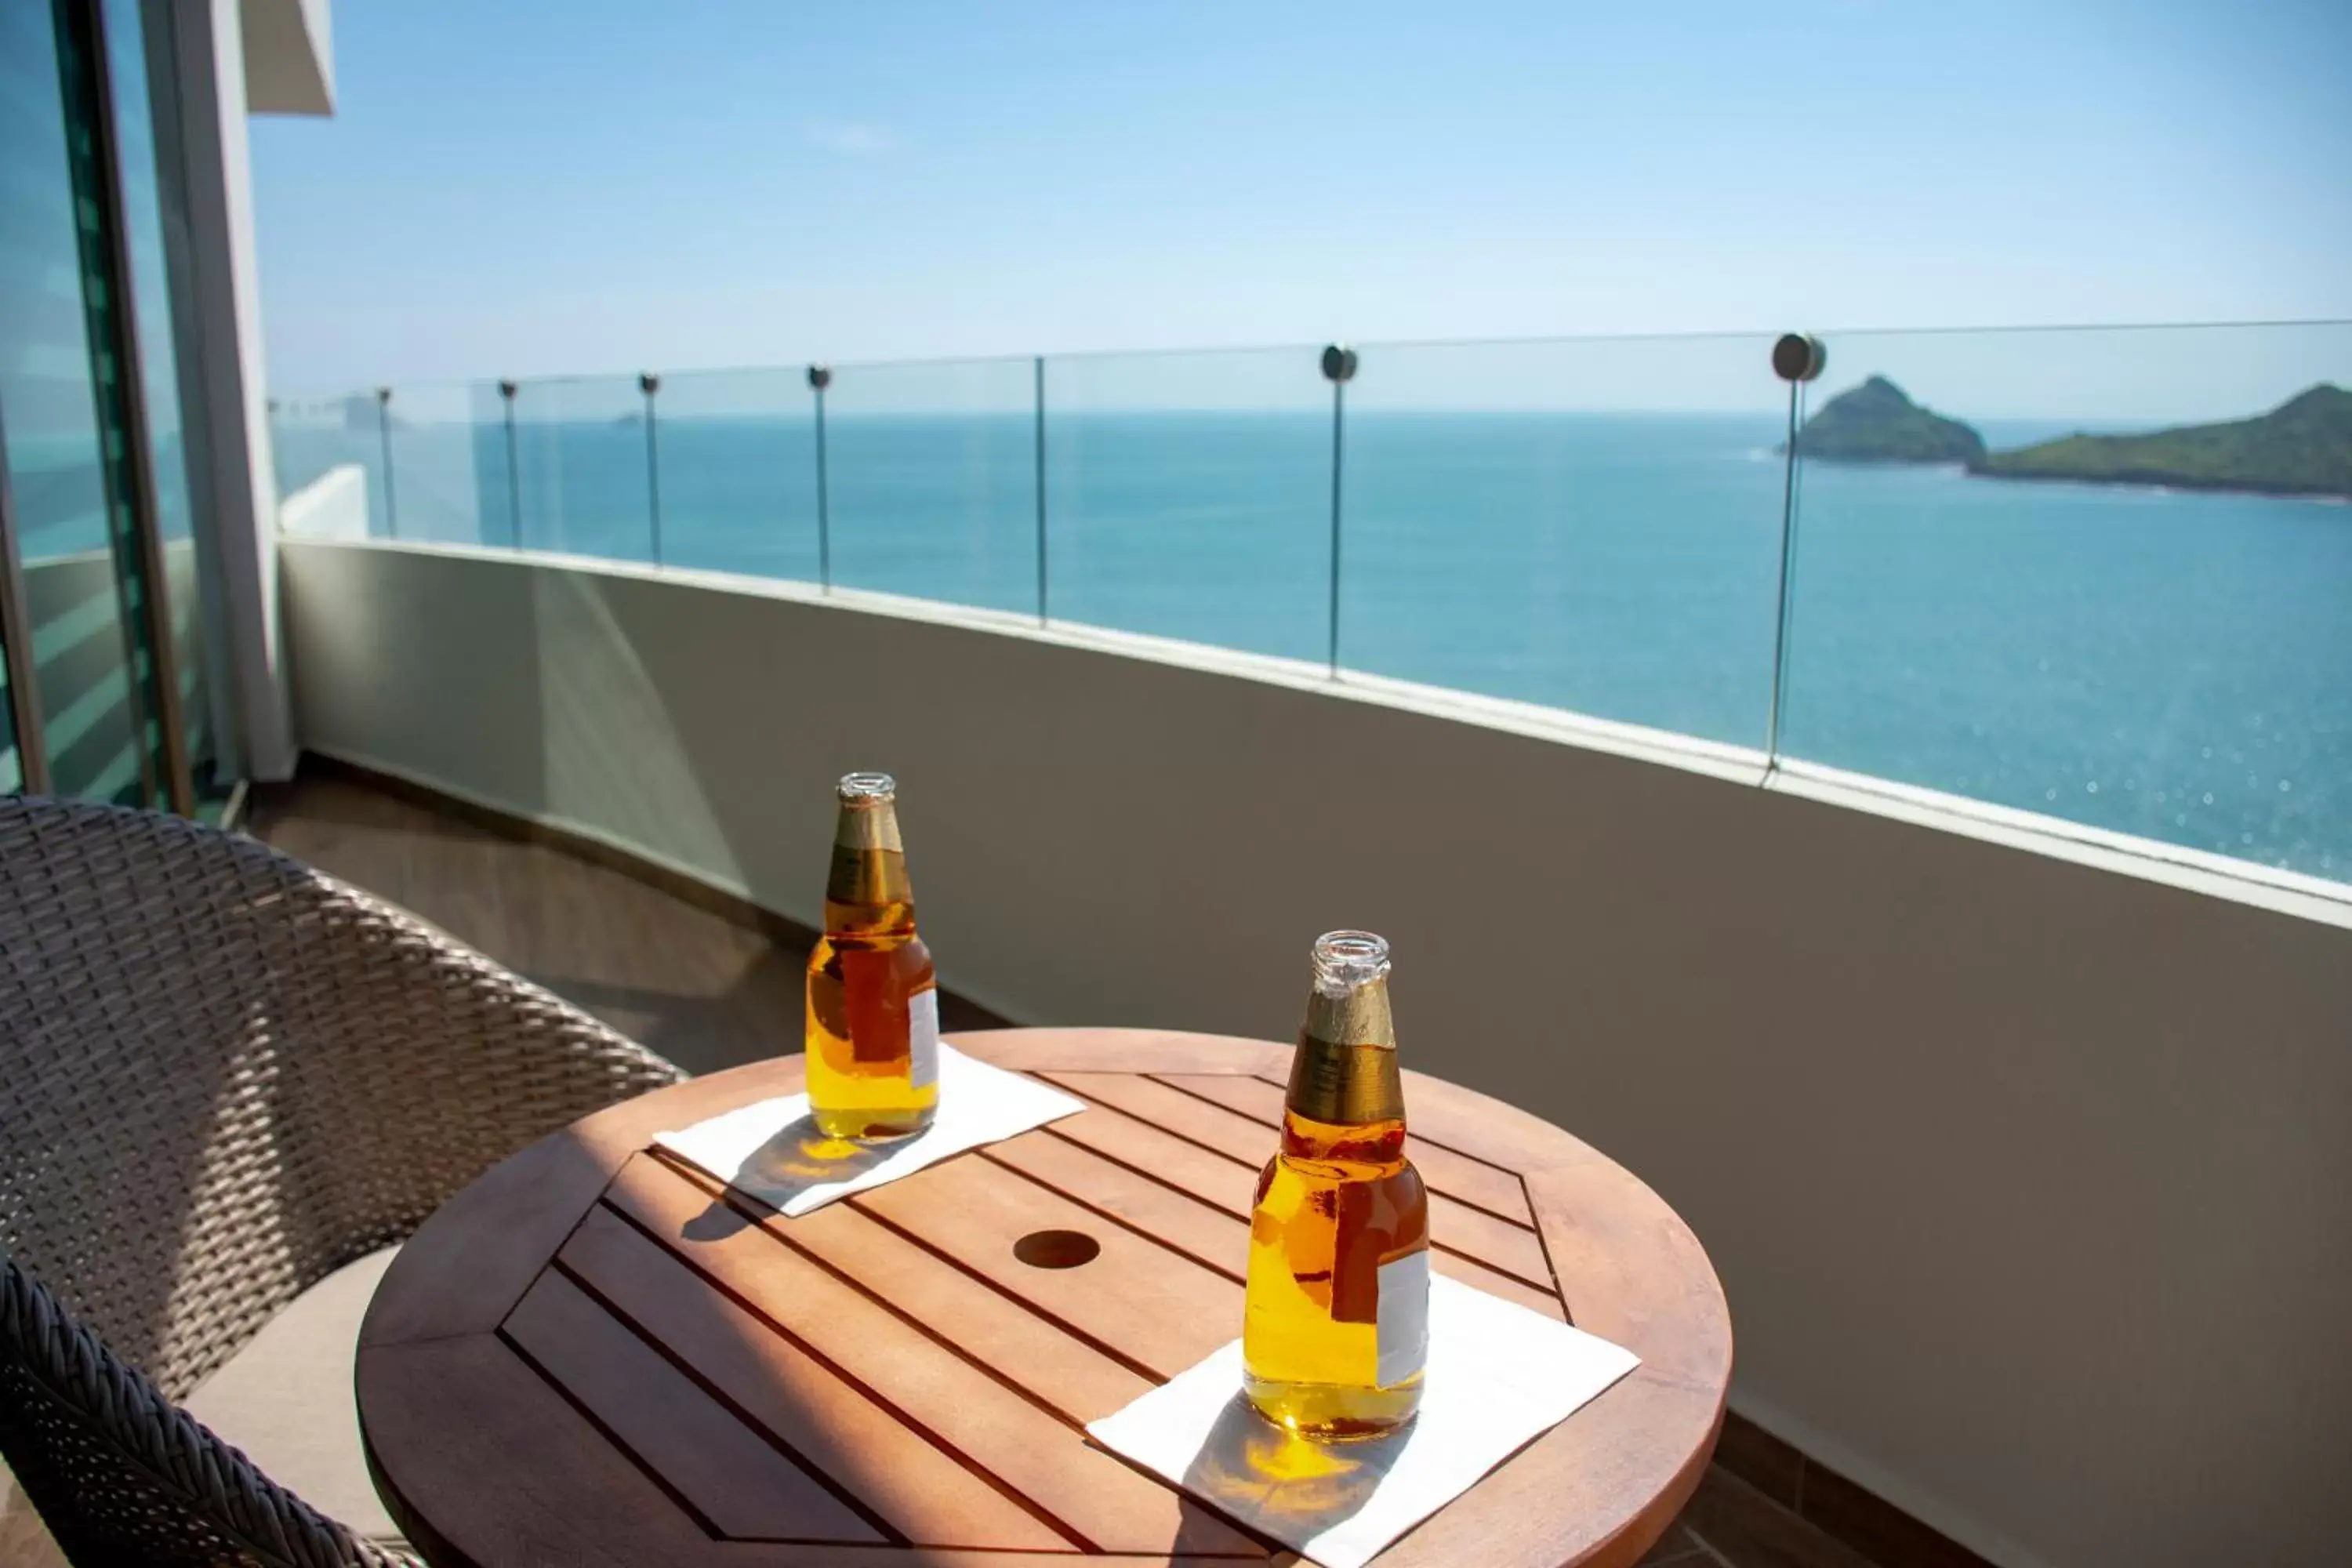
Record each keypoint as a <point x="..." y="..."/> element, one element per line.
<point x="2303" y="446"/>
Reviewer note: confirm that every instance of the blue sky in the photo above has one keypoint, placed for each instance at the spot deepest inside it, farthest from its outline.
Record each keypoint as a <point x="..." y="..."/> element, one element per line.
<point x="524" y="189"/>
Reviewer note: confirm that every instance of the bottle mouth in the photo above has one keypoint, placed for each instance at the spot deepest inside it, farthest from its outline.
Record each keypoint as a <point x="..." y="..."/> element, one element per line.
<point x="867" y="789"/>
<point x="1347" y="961"/>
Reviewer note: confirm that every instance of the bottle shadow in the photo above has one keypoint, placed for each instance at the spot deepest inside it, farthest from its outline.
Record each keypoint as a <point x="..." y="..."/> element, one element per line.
<point x="796" y="1157"/>
<point x="1293" y="1489"/>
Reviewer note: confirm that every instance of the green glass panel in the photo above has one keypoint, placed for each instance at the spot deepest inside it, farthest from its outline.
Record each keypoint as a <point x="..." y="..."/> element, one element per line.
<point x="59" y="450"/>
<point x="80" y="74"/>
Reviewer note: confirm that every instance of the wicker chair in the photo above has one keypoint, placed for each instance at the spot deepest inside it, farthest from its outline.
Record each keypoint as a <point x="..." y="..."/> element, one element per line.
<point x="222" y="1075"/>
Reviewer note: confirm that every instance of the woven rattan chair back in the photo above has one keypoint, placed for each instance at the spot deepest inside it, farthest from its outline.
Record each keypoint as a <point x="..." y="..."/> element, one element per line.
<point x="222" y="1076"/>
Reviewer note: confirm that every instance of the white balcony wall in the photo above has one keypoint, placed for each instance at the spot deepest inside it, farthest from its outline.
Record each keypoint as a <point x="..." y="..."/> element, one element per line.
<point x="2029" y="1180"/>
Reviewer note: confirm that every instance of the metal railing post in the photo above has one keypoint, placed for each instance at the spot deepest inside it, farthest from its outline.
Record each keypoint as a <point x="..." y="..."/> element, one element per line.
<point x="1339" y="369"/>
<point x="649" y="383"/>
<point x="1797" y="360"/>
<point x="383" y="434"/>
<point x="514" y="466"/>
<point x="1039" y="364"/>
<point x="819" y="378"/>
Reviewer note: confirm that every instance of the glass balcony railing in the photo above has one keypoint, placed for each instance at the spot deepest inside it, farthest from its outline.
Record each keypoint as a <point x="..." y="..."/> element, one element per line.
<point x="1590" y="525"/>
<point x="2161" y="661"/>
<point x="931" y="481"/>
<point x="449" y="466"/>
<point x="738" y="460"/>
<point x="584" y="463"/>
<point x="2103" y="575"/>
<point x="1189" y="495"/>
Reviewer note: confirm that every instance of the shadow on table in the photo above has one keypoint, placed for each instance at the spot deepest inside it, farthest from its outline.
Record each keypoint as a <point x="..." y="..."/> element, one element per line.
<point x="795" y="1158"/>
<point x="1282" y="1485"/>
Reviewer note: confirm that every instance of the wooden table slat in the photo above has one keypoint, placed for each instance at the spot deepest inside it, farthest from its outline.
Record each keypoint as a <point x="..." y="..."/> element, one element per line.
<point x="1453" y="1226"/>
<point x="1063" y="1373"/>
<point x="834" y="1426"/>
<point x="1498" y="1132"/>
<point x="1228" y="1186"/>
<point x="728" y="1473"/>
<point x="1633" y="1271"/>
<point x="1462" y="1177"/>
<point x="449" y="1412"/>
<point x="471" y="1262"/>
<point x="1156" y="1309"/>
<point x="500" y="1231"/>
<point x="1033" y="1455"/>
<point x="1209" y="1236"/>
<point x="1122" y="1050"/>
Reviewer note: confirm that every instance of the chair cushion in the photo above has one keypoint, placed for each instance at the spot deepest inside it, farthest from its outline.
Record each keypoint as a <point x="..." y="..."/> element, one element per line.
<point x="24" y="1541"/>
<point x="286" y="1399"/>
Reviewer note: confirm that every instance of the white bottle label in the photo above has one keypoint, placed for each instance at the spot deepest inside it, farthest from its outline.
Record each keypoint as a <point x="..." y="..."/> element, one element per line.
<point x="923" y="1036"/>
<point x="1403" y="1325"/>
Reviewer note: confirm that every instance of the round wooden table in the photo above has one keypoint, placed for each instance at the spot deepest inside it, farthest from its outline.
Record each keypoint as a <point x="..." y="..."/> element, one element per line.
<point x="594" y="1355"/>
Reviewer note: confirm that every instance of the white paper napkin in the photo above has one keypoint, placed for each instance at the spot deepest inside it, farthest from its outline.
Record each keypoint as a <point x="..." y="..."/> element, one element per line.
<point x="773" y="1152"/>
<point x="1498" y="1375"/>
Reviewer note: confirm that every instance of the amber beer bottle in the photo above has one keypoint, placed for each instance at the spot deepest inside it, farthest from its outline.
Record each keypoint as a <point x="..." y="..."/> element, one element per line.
<point x="1335" y="1328"/>
<point x="873" y="995"/>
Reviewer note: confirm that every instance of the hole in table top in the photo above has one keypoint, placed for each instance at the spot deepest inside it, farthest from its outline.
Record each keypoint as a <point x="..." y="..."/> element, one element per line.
<point x="1056" y="1248"/>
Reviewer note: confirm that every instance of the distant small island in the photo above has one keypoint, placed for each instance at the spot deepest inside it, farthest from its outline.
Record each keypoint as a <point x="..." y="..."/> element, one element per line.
<point x="1878" y="422"/>
<point x="2302" y="447"/>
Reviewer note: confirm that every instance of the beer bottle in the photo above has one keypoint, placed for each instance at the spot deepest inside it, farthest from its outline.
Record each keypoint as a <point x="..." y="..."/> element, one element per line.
<point x="1335" y="1331"/>
<point x="873" y="995"/>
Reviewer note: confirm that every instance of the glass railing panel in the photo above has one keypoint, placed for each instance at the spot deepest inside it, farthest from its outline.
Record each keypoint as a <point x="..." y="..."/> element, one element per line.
<point x="313" y="438"/>
<point x="585" y="468"/>
<point x="451" y="482"/>
<point x="738" y="452"/>
<point x="931" y="481"/>
<point x="1589" y="524"/>
<point x="2139" y="634"/>
<point x="1189" y="495"/>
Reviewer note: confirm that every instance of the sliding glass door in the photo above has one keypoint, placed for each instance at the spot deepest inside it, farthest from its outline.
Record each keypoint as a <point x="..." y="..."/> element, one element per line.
<point x="105" y="676"/>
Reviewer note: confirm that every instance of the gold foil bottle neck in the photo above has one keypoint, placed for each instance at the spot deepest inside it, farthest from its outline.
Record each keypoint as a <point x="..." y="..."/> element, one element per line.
<point x="869" y="861"/>
<point x="1356" y="1017"/>
<point x="869" y="813"/>
<point x="1346" y="1070"/>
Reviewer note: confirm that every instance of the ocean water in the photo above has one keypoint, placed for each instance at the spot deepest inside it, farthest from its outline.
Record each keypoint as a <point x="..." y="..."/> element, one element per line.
<point x="2172" y="664"/>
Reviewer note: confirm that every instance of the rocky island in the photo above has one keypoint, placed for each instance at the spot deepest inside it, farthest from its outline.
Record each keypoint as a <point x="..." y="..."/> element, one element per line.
<point x="2303" y="446"/>
<point x="1878" y="422"/>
